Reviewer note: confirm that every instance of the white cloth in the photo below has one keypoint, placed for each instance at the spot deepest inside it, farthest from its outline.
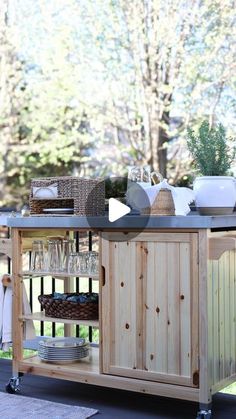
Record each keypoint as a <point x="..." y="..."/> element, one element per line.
<point x="29" y="329"/>
<point x="6" y="317"/>
<point x="182" y="197"/>
<point x="2" y="295"/>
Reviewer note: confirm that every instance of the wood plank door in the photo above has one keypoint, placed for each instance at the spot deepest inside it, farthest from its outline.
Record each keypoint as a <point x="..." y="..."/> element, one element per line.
<point x="149" y="306"/>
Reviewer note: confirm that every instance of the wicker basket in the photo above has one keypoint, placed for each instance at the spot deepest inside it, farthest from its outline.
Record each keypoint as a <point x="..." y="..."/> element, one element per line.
<point x="85" y="196"/>
<point x="68" y="309"/>
<point x="163" y="204"/>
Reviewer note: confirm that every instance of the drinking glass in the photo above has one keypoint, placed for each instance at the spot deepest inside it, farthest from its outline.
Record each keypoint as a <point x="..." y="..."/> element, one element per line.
<point x="53" y="256"/>
<point x="66" y="248"/>
<point x="139" y="180"/>
<point x="73" y="263"/>
<point x="93" y="263"/>
<point x="143" y="176"/>
<point x="83" y="262"/>
<point x="37" y="256"/>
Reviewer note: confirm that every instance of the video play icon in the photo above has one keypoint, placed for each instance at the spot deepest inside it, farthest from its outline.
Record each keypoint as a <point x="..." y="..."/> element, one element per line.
<point x="122" y="197"/>
<point x="117" y="210"/>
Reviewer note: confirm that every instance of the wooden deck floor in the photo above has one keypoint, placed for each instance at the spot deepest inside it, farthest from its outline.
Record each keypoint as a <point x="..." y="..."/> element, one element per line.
<point x="114" y="404"/>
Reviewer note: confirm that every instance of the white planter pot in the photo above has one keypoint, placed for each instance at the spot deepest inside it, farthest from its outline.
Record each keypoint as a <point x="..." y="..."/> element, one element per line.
<point x="215" y="195"/>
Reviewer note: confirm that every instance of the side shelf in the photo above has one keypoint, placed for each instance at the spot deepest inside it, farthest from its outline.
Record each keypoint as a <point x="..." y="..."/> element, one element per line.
<point x="58" y="275"/>
<point x="89" y="365"/>
<point x="40" y="316"/>
<point x="34" y="365"/>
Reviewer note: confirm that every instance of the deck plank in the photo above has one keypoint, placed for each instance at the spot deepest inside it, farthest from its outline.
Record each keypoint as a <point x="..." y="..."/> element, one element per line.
<point x="115" y="404"/>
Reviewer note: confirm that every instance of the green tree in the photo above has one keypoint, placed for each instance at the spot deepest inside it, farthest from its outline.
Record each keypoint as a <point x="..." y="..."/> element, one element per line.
<point x="12" y="87"/>
<point x="163" y="59"/>
<point x="46" y="128"/>
<point x="109" y="83"/>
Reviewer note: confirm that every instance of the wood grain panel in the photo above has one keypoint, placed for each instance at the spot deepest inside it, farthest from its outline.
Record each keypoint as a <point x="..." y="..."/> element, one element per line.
<point x="17" y="327"/>
<point x="227" y="315"/>
<point x="148" y="237"/>
<point x="232" y="314"/>
<point x="105" y="306"/>
<point x="124" y="303"/>
<point x="161" y="309"/>
<point x="156" y="308"/>
<point x="152" y="326"/>
<point x="204" y="381"/>
<point x="194" y="307"/>
<point x="215" y="313"/>
<point x="185" y="310"/>
<point x="222" y="319"/>
<point x="210" y="322"/>
<point x="173" y="323"/>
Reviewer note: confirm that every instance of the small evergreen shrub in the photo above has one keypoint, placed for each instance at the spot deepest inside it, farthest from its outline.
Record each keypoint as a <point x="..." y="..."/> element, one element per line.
<point x="210" y="150"/>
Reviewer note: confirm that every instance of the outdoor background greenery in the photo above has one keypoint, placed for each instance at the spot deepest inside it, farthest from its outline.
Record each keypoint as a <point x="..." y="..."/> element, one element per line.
<point x="90" y="87"/>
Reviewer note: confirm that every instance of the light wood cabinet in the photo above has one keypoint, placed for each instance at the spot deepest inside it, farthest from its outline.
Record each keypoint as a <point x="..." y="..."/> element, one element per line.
<point x="150" y="307"/>
<point x="166" y="312"/>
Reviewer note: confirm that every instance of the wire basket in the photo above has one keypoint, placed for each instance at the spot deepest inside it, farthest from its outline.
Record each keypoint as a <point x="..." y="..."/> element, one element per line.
<point x="86" y="197"/>
<point x="65" y="309"/>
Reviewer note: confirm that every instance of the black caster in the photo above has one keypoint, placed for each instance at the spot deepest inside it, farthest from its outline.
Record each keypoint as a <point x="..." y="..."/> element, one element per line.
<point x="13" y="385"/>
<point x="204" y="414"/>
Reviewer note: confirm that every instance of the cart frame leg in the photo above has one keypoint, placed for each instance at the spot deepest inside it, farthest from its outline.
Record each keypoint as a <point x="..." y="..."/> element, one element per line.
<point x="205" y="391"/>
<point x="205" y="411"/>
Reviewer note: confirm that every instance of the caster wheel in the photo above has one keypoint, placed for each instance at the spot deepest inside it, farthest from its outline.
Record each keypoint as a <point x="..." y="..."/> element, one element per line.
<point x="204" y="414"/>
<point x="12" y="386"/>
<point x="10" y="389"/>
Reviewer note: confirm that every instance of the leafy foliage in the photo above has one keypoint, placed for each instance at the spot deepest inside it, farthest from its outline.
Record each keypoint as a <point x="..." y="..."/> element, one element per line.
<point x="88" y="88"/>
<point x="115" y="187"/>
<point x="210" y="150"/>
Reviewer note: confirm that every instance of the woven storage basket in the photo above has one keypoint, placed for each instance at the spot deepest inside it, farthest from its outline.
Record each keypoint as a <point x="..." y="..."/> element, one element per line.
<point x="68" y="309"/>
<point x="163" y="204"/>
<point x="85" y="196"/>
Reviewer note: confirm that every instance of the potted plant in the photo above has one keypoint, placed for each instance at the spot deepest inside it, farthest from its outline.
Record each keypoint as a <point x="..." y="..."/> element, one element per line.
<point x="215" y="190"/>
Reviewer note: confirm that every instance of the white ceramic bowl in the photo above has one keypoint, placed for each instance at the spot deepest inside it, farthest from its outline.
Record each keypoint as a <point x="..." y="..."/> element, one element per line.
<point x="215" y="194"/>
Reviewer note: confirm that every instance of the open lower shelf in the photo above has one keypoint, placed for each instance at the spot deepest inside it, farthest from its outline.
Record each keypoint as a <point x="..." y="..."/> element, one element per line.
<point x="86" y="365"/>
<point x="59" y="274"/>
<point x="87" y="371"/>
<point x="40" y="316"/>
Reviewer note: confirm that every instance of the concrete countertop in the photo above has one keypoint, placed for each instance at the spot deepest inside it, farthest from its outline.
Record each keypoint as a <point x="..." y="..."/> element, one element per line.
<point x="129" y="222"/>
<point x="4" y="218"/>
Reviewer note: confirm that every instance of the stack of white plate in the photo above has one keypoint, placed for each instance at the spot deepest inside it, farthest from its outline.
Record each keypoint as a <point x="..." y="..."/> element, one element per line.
<point x="62" y="349"/>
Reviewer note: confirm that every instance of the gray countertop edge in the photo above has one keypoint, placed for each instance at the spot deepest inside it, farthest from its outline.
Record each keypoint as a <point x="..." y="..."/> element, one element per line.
<point x="127" y="222"/>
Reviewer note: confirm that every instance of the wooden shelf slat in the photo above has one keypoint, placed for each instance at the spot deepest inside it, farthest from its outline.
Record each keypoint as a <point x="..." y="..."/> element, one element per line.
<point x="58" y="198"/>
<point x="59" y="274"/>
<point x="89" y="364"/>
<point x="40" y="316"/>
<point x="87" y="371"/>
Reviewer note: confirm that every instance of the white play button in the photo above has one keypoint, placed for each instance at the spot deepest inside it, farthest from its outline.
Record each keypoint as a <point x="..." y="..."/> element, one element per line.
<point x="117" y="210"/>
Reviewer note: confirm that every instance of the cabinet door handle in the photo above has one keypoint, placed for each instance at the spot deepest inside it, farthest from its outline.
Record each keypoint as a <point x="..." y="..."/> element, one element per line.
<point x="103" y="275"/>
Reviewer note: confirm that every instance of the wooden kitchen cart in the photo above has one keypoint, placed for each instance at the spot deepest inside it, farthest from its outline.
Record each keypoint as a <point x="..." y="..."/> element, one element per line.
<point x="167" y="314"/>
